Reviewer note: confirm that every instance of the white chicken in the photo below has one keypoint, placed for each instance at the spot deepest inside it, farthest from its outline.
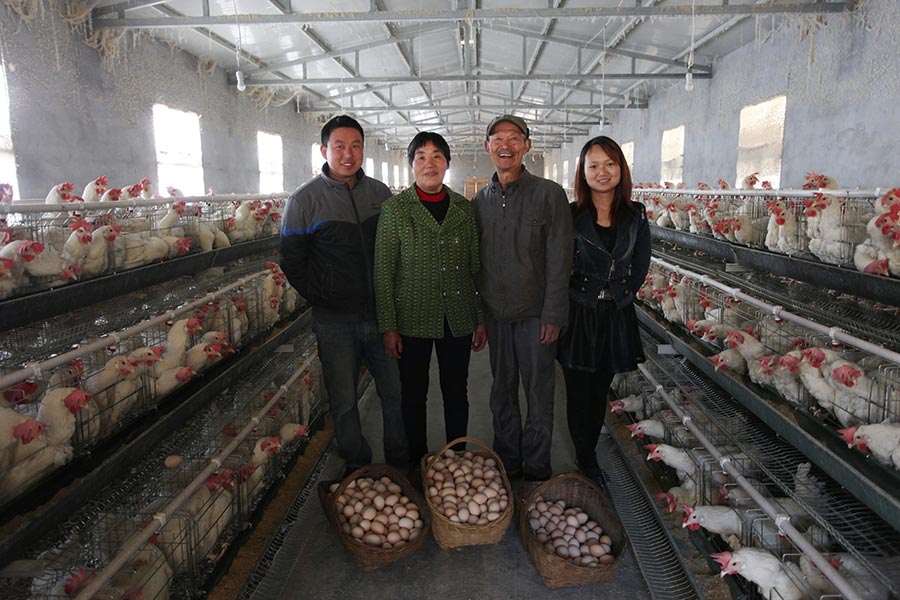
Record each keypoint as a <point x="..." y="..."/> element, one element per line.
<point x="169" y="224"/>
<point x="95" y="189"/>
<point x="686" y="493"/>
<point x="147" y="191"/>
<point x="786" y="377"/>
<point x="171" y="379"/>
<point x="729" y="359"/>
<point x="766" y="571"/>
<point x="202" y="355"/>
<point x="61" y="194"/>
<point x="254" y="472"/>
<point x="57" y="411"/>
<point x="647" y="427"/>
<point x="856" y="396"/>
<point x="20" y="252"/>
<point x="75" y="250"/>
<point x="97" y="260"/>
<point x="16" y="431"/>
<point x="881" y="439"/>
<point x="680" y="460"/>
<point x="781" y="230"/>
<point x="111" y="195"/>
<point x="201" y="232"/>
<point x="868" y="259"/>
<point x="32" y="463"/>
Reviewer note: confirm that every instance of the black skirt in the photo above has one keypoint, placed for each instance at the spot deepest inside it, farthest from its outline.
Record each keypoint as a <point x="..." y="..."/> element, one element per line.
<point x="601" y="338"/>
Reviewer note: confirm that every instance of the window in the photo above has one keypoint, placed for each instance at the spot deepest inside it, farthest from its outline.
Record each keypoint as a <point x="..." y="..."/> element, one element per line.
<point x="672" y="155"/>
<point x="546" y="170"/>
<point x="565" y="181"/>
<point x="628" y="151"/>
<point x="179" y="159"/>
<point x="385" y="173"/>
<point x="446" y="179"/>
<point x="370" y="167"/>
<point x="315" y="159"/>
<point x="7" y="157"/>
<point x="556" y="172"/>
<point x="271" y="162"/>
<point x="397" y="177"/>
<point x="405" y="176"/>
<point x="760" y="140"/>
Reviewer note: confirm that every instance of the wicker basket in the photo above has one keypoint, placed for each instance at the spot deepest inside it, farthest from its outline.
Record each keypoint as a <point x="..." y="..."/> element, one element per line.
<point x="448" y="534"/>
<point x="579" y="491"/>
<point x="366" y="557"/>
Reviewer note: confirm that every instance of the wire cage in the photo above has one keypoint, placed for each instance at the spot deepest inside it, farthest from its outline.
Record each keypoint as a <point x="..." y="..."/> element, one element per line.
<point x="826" y="225"/>
<point x="75" y="243"/>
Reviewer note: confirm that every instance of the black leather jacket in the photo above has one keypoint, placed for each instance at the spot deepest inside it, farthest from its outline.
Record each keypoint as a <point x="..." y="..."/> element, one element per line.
<point x="625" y="268"/>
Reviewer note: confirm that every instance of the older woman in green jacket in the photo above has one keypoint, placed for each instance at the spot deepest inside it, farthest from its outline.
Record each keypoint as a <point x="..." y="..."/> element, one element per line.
<point x="426" y="264"/>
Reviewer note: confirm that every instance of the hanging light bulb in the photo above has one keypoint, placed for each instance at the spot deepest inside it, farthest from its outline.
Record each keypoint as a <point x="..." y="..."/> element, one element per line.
<point x="689" y="81"/>
<point x="241" y="86"/>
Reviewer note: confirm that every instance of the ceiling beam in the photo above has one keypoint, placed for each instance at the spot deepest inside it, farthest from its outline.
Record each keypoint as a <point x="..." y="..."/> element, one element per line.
<point x="120" y="7"/>
<point x="462" y="107"/>
<point x="589" y="45"/>
<point x="463" y="78"/>
<point x="414" y="32"/>
<point x="481" y="14"/>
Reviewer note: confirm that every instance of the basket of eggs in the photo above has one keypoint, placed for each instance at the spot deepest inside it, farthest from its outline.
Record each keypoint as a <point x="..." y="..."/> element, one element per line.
<point x="378" y="514"/>
<point x="571" y="532"/>
<point x="468" y="495"/>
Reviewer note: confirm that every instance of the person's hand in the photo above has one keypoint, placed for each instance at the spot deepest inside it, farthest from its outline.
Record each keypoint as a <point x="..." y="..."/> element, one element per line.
<point x="479" y="339"/>
<point x="549" y="333"/>
<point x="393" y="344"/>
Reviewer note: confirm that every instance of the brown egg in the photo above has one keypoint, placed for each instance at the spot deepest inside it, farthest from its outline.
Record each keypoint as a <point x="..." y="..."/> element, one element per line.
<point x="606" y="559"/>
<point x="373" y="539"/>
<point x="393" y="537"/>
<point x="357" y="532"/>
<point x="378" y="527"/>
<point x="400" y="510"/>
<point x="331" y="488"/>
<point x="348" y="511"/>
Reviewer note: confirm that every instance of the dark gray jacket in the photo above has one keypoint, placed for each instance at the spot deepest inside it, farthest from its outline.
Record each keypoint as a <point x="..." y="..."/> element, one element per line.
<point x="328" y="244"/>
<point x="526" y="249"/>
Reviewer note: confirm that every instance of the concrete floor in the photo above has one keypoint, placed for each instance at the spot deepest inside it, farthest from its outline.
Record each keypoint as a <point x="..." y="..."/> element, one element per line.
<point x="321" y="569"/>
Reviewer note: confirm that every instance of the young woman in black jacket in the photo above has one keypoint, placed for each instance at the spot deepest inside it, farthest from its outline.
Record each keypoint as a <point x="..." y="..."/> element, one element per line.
<point x="612" y="256"/>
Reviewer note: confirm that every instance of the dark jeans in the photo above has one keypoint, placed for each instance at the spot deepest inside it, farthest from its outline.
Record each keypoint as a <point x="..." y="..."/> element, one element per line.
<point x="453" y="364"/>
<point x="342" y="348"/>
<point x="516" y="348"/>
<point x="586" y="409"/>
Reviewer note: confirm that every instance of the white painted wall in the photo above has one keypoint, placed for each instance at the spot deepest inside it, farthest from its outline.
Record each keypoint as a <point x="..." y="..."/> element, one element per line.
<point x="842" y="115"/>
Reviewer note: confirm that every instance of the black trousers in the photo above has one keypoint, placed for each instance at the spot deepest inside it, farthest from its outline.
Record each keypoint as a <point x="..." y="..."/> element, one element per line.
<point x="585" y="409"/>
<point x="453" y="363"/>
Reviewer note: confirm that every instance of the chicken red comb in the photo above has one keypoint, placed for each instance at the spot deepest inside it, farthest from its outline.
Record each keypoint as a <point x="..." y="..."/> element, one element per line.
<point x="687" y="510"/>
<point x="847" y="435"/>
<point x="651" y="447"/>
<point x="846" y="374"/>
<point x="77" y="580"/>
<point x="669" y="500"/>
<point x="632" y="427"/>
<point x="723" y="558"/>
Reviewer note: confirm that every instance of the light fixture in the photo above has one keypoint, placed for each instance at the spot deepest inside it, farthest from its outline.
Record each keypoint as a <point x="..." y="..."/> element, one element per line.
<point x="241" y="86"/>
<point x="689" y="81"/>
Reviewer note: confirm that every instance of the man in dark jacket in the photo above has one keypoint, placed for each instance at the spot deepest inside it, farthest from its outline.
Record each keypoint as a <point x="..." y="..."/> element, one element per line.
<point x="328" y="251"/>
<point x="525" y="227"/>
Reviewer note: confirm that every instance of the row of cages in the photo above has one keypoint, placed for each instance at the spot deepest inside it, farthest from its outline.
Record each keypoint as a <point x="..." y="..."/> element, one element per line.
<point x="59" y="414"/>
<point x="864" y="549"/>
<point x="183" y="550"/>
<point x="834" y="382"/>
<point x="859" y="231"/>
<point x="74" y="242"/>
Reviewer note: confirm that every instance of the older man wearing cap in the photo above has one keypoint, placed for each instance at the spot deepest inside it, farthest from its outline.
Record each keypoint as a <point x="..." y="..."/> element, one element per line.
<point x="525" y="229"/>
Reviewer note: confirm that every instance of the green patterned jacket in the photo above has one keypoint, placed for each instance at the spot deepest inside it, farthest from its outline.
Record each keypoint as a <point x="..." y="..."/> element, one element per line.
<point x="425" y="271"/>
